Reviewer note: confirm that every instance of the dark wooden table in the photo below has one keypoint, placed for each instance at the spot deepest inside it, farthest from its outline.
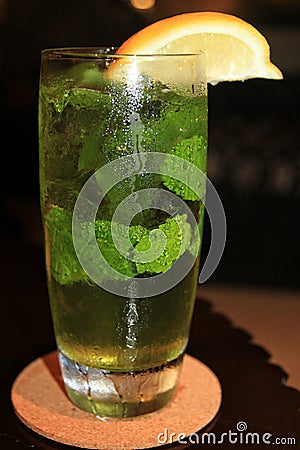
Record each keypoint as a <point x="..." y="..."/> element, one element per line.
<point x="254" y="390"/>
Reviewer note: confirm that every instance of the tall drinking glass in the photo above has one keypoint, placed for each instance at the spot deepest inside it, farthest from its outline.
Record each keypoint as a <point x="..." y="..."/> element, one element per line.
<point x="120" y="137"/>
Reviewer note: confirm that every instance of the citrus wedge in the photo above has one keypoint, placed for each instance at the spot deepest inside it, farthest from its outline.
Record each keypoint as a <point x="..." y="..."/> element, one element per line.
<point x="234" y="49"/>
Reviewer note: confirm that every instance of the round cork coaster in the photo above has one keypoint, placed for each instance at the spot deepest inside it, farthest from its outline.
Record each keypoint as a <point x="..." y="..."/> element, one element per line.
<point x="41" y="403"/>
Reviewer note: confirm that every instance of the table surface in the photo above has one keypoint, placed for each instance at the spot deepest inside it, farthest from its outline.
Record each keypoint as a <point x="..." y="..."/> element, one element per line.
<point x="248" y="337"/>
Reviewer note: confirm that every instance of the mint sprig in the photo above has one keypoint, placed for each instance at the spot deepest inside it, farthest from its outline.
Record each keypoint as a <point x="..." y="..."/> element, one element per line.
<point x="64" y="264"/>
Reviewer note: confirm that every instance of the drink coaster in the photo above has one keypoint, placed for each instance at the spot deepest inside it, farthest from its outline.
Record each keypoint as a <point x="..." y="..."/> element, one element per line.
<point x="40" y="402"/>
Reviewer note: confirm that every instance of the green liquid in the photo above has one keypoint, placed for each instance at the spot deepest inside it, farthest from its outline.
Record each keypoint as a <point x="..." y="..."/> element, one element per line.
<point x="83" y="126"/>
<point x="102" y="330"/>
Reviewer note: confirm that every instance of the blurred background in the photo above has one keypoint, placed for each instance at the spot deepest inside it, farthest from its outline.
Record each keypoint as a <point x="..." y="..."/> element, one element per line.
<point x="254" y="156"/>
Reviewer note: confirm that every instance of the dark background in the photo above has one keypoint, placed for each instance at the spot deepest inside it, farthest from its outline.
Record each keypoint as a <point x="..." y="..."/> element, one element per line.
<point x="253" y="126"/>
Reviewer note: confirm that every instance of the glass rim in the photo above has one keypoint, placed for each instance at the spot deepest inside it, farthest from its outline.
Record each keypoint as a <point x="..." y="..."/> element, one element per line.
<point x="94" y="53"/>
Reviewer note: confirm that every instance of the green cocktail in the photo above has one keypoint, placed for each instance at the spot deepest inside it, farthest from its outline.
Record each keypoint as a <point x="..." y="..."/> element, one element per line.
<point x="120" y="354"/>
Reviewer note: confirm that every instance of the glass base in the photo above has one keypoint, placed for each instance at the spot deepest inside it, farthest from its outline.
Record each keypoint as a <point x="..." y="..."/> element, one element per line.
<point x="119" y="394"/>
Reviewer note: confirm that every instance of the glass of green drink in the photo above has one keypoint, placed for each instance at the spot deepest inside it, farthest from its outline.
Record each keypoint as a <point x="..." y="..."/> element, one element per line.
<point x="122" y="213"/>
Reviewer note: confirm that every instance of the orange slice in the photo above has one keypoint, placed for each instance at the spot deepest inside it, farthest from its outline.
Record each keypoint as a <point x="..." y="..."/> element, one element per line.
<point x="234" y="49"/>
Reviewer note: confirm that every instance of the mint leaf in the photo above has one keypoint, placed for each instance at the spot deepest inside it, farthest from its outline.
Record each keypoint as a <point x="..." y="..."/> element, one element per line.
<point x="91" y="154"/>
<point x="108" y="249"/>
<point x="174" y="238"/>
<point x="168" y="118"/>
<point x="74" y="122"/>
<point x="89" y="111"/>
<point x="193" y="150"/>
<point x="69" y="133"/>
<point x="176" y="125"/>
<point x="89" y="98"/>
<point x="64" y="264"/>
